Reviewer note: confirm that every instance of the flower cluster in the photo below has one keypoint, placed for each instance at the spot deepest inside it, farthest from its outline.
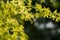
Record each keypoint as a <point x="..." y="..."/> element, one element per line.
<point x="14" y="13"/>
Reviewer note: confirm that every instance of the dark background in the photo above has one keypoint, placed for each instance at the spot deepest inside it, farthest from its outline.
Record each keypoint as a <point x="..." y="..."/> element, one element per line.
<point x="47" y="34"/>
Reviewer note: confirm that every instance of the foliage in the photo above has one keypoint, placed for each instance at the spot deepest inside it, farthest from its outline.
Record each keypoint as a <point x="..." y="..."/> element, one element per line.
<point x="14" y="13"/>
